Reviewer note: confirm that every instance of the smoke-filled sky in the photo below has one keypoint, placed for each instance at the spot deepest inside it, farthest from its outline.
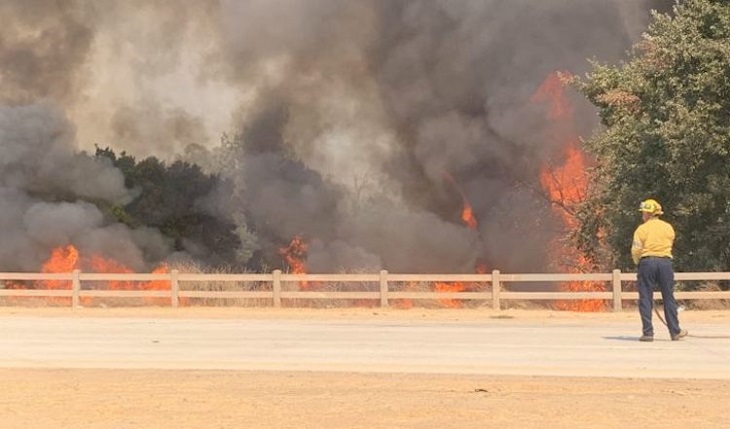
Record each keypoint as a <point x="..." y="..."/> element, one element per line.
<point x="352" y="116"/>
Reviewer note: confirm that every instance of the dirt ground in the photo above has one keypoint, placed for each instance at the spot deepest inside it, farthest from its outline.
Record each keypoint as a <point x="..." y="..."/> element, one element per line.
<point x="152" y="399"/>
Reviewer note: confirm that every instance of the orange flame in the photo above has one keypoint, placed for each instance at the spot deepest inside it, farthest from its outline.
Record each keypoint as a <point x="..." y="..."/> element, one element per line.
<point x="67" y="259"/>
<point x="62" y="260"/>
<point x="467" y="212"/>
<point x="406" y="304"/>
<point x="566" y="186"/>
<point x="552" y="92"/>
<point x="470" y="221"/>
<point x="101" y="265"/>
<point x="295" y="255"/>
<point x="467" y="216"/>
<point x="450" y="287"/>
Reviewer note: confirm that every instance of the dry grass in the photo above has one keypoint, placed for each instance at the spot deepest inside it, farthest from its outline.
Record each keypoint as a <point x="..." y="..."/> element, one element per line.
<point x="709" y="304"/>
<point x="439" y="303"/>
<point x="221" y="286"/>
<point x="34" y="301"/>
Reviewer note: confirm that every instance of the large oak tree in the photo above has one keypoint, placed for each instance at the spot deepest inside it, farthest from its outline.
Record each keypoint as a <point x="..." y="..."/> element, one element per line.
<point x="666" y="135"/>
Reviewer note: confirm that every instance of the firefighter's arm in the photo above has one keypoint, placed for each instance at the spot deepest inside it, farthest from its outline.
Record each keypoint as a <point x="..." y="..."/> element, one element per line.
<point x="637" y="246"/>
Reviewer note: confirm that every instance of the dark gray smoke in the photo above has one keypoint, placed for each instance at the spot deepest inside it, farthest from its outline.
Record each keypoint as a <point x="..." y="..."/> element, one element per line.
<point x="44" y="186"/>
<point x="360" y="125"/>
<point x="386" y="99"/>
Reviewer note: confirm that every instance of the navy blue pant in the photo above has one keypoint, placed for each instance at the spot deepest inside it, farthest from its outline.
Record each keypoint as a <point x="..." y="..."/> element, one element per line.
<point x="653" y="271"/>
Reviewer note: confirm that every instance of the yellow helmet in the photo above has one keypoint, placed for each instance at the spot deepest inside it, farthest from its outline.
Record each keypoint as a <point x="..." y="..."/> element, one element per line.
<point x="651" y="207"/>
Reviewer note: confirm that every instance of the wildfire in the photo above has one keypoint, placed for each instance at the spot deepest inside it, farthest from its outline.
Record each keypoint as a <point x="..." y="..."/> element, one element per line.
<point x="295" y="255"/>
<point x="566" y="185"/>
<point x="467" y="216"/>
<point x="552" y="92"/>
<point x="450" y="287"/>
<point x="406" y="303"/>
<point x="67" y="259"/>
<point x="470" y="221"/>
<point x="101" y="265"/>
<point x="62" y="260"/>
<point x="467" y="212"/>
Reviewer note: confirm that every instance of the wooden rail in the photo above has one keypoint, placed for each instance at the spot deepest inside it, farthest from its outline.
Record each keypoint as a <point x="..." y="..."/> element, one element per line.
<point x="173" y="292"/>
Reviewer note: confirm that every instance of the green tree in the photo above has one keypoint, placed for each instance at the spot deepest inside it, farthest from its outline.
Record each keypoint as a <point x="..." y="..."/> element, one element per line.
<point x="666" y="112"/>
<point x="180" y="200"/>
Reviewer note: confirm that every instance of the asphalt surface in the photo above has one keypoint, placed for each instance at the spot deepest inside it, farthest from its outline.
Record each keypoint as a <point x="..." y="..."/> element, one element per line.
<point x="498" y="347"/>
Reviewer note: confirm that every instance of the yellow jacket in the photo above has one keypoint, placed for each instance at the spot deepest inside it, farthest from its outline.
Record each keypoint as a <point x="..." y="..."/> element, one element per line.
<point x="652" y="238"/>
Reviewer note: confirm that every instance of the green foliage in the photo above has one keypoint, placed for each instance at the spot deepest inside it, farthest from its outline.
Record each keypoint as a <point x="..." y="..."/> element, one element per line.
<point x="176" y="199"/>
<point x="666" y="112"/>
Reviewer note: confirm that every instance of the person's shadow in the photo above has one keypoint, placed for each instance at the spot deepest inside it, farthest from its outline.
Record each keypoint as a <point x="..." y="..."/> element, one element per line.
<point x="707" y="337"/>
<point x="622" y="338"/>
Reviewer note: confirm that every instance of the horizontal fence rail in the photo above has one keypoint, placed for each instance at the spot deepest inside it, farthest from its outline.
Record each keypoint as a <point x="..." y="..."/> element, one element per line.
<point x="167" y="286"/>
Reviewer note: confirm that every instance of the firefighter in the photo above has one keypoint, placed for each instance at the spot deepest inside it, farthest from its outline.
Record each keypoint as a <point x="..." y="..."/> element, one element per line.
<point x="652" y="252"/>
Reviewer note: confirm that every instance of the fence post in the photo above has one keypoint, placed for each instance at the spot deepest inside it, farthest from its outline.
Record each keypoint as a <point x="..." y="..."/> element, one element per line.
<point x="616" y="286"/>
<point x="277" y="288"/>
<point x="174" y="288"/>
<point x="496" y="286"/>
<point x="383" y="288"/>
<point x="75" y="288"/>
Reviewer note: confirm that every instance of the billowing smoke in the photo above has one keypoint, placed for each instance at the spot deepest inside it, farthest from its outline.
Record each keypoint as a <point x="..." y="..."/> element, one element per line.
<point x="386" y="100"/>
<point x="362" y="126"/>
<point x="44" y="189"/>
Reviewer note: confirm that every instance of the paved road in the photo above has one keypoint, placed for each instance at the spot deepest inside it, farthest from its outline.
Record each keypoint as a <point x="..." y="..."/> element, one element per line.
<point x="493" y="347"/>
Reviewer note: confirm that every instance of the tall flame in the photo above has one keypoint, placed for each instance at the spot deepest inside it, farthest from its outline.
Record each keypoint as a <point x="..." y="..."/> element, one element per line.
<point x="552" y="92"/>
<point x="295" y="256"/>
<point x="467" y="216"/>
<point x="566" y="186"/>
<point x="62" y="260"/>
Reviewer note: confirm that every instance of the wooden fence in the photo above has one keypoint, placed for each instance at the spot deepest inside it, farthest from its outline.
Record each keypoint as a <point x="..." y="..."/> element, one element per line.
<point x="497" y="291"/>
